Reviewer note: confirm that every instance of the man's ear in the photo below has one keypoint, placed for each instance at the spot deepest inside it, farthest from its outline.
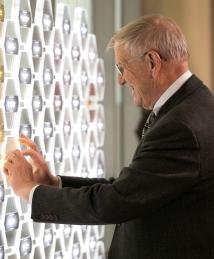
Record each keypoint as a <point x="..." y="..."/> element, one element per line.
<point x="153" y="58"/>
<point x="154" y="62"/>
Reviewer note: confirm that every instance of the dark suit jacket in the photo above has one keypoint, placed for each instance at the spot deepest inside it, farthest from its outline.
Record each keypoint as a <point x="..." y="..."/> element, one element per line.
<point x="163" y="202"/>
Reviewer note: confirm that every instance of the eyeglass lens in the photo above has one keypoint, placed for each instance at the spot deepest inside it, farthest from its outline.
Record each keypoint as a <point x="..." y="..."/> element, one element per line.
<point x="119" y="69"/>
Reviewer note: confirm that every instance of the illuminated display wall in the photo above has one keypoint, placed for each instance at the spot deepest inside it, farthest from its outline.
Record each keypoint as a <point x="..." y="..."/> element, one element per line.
<point x="51" y="89"/>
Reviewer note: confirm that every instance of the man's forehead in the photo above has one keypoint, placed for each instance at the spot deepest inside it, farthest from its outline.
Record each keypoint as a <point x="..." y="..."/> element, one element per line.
<point x="121" y="53"/>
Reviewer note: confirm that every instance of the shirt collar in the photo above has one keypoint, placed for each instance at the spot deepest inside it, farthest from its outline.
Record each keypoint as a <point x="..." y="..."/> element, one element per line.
<point x="174" y="87"/>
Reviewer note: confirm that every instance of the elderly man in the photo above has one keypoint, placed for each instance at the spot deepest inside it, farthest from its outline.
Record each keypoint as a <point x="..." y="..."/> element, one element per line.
<point x="163" y="202"/>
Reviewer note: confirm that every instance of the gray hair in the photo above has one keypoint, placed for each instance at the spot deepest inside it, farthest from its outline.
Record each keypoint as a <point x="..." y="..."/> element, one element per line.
<point x="152" y="32"/>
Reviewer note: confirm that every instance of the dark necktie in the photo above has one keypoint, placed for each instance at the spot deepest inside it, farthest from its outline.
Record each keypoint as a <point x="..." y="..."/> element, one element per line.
<point x="148" y="123"/>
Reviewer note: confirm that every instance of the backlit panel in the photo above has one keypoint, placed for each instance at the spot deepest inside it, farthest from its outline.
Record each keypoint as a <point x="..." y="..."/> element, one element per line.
<point x="52" y="85"/>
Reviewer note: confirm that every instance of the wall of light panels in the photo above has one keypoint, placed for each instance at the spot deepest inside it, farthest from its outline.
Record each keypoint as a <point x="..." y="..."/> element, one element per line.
<point x="52" y="86"/>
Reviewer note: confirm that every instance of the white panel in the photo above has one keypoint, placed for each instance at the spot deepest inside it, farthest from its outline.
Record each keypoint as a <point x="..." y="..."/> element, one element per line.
<point x="52" y="85"/>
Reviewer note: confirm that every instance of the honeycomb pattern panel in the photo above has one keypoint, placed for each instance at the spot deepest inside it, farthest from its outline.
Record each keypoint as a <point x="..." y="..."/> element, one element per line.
<point x="52" y="85"/>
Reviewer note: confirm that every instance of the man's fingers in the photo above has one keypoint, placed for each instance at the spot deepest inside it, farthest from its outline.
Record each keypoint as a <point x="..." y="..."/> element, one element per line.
<point x="27" y="142"/>
<point x="13" y="155"/>
<point x="16" y="153"/>
<point x="35" y="156"/>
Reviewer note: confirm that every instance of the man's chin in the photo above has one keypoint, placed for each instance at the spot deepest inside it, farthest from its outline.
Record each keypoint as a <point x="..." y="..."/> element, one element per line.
<point x="137" y="103"/>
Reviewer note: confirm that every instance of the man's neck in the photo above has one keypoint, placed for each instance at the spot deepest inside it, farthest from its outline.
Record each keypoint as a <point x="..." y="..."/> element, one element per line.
<point x="170" y="73"/>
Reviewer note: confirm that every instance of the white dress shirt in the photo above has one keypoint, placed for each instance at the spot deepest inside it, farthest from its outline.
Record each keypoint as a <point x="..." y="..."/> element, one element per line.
<point x="171" y="90"/>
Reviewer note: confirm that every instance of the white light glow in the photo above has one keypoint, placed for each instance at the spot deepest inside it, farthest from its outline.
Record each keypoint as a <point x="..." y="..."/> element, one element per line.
<point x="57" y="51"/>
<point x="36" y="49"/>
<point x="11" y="221"/>
<point x="24" y="18"/>
<point x="75" y="102"/>
<point x="100" y="79"/>
<point x="100" y="171"/>
<point x="76" y="251"/>
<point x="67" y="231"/>
<point x="47" y="76"/>
<point x="25" y="246"/>
<point x="67" y="77"/>
<point x="37" y="103"/>
<point x="11" y="103"/>
<point x="92" y="55"/>
<point x="92" y="149"/>
<point x="26" y="130"/>
<point x="100" y="124"/>
<point x="84" y="127"/>
<point x="47" y="22"/>
<point x="66" y="26"/>
<point x="84" y="172"/>
<point x="67" y="128"/>
<point x="75" y="52"/>
<point x="11" y="45"/>
<point x="58" y="154"/>
<point x="76" y="152"/>
<point x="25" y="75"/>
<point x="92" y="243"/>
<point x="84" y="78"/>
<point x="84" y="30"/>
<point x="57" y="102"/>
<point x="48" y="237"/>
<point x="48" y="129"/>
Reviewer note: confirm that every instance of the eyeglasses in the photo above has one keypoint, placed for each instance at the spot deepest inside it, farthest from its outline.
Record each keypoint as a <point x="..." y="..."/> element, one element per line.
<point x="120" y="66"/>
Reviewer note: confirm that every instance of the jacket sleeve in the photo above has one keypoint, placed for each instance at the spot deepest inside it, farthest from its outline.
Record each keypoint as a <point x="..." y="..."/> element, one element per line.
<point x="77" y="182"/>
<point x="165" y="167"/>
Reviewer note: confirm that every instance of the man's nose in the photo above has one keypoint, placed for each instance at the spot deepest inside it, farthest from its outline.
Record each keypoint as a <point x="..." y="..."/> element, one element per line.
<point x="121" y="80"/>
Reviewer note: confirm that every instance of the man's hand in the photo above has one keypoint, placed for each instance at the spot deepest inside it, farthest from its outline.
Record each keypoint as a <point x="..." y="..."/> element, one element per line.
<point x="19" y="174"/>
<point x="41" y="172"/>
